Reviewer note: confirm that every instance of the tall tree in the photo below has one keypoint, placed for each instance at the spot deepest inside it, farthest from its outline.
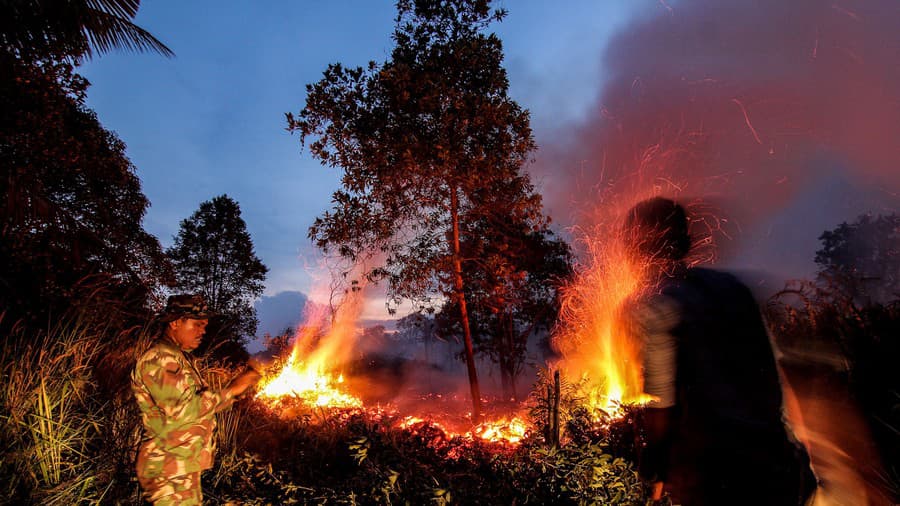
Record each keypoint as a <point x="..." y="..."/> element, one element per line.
<point x="71" y="209"/>
<point x="39" y="29"/>
<point x="71" y="222"/>
<point x="514" y="293"/>
<point x="863" y="258"/>
<point x="517" y="266"/>
<point x="213" y="256"/>
<point x="417" y="137"/>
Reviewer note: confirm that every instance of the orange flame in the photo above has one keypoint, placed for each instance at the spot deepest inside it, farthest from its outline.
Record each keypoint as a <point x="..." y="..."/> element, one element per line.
<point x="599" y="351"/>
<point x="309" y="372"/>
<point x="411" y="422"/>
<point x="312" y="385"/>
<point x="503" y="430"/>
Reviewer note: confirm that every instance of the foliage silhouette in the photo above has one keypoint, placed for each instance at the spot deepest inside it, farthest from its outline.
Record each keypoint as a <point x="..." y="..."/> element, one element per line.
<point x="72" y="206"/>
<point x="863" y="258"/>
<point x="36" y="29"/>
<point x="213" y="256"/>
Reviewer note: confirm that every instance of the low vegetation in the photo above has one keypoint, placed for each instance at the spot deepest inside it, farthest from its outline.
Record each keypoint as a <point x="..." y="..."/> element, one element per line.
<point x="70" y="430"/>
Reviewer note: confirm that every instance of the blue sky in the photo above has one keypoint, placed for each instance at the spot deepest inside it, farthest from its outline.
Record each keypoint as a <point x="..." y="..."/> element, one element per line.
<point x="211" y="120"/>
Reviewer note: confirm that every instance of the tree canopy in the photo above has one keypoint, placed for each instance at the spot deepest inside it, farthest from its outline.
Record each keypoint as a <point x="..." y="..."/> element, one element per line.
<point x="70" y="222"/>
<point x="213" y="256"/>
<point x="863" y="257"/>
<point x="72" y="203"/>
<point x="419" y="139"/>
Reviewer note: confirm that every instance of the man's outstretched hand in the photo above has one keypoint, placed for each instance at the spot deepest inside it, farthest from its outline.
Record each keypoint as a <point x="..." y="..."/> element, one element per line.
<point x="243" y="381"/>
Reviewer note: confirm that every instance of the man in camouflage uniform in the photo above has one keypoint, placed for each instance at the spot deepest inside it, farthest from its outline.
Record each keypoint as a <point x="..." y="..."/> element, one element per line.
<point x="177" y="407"/>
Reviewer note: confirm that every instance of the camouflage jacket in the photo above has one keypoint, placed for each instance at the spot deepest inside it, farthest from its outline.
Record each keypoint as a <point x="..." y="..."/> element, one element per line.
<point x="178" y="412"/>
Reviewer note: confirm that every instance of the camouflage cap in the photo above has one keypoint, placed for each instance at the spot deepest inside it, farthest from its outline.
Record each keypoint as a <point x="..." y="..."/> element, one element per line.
<point x="185" y="306"/>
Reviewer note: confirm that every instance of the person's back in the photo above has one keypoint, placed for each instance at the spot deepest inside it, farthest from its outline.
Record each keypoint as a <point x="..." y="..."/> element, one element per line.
<point x="730" y="445"/>
<point x="714" y="430"/>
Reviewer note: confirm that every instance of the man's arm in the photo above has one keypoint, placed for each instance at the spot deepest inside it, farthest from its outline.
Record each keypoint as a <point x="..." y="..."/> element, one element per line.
<point x="654" y="320"/>
<point x="173" y="394"/>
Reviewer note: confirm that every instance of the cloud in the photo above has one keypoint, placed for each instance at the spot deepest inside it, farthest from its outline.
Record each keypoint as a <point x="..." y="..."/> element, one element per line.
<point x="277" y="313"/>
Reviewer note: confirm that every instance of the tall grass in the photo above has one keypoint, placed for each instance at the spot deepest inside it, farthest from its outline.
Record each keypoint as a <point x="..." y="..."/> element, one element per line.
<point x="59" y="430"/>
<point x="229" y="433"/>
<point x="48" y="384"/>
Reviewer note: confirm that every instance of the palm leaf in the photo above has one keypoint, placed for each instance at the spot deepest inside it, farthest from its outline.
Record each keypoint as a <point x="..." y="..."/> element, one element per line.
<point x="107" y="31"/>
<point x="74" y="27"/>
<point x="121" y="8"/>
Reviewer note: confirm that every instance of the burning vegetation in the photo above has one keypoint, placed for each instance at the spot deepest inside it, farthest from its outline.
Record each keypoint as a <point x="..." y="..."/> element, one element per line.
<point x="598" y="349"/>
<point x="600" y="362"/>
<point x="308" y="374"/>
<point x="311" y="379"/>
<point x="566" y="441"/>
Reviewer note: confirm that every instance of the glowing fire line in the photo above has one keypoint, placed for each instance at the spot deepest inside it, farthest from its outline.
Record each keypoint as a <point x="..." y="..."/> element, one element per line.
<point x="598" y="351"/>
<point x="505" y="430"/>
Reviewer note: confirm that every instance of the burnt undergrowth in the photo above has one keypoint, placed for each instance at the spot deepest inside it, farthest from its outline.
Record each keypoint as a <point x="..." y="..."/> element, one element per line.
<point x="357" y="456"/>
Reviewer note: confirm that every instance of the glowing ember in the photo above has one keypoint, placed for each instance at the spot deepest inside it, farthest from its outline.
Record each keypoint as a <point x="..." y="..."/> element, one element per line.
<point x="504" y="430"/>
<point x="413" y="422"/>
<point x="410" y="421"/>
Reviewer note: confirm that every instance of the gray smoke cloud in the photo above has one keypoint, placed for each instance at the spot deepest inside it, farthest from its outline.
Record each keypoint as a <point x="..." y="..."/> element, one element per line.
<point x="784" y="115"/>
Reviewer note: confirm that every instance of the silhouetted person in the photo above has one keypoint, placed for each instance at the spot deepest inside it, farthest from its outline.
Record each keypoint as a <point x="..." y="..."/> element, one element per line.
<point x="715" y="436"/>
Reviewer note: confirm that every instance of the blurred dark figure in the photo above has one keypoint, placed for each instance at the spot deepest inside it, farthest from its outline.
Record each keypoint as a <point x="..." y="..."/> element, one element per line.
<point x="838" y="364"/>
<point x="715" y="435"/>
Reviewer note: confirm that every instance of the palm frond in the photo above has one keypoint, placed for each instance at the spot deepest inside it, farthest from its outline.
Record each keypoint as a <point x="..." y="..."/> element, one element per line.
<point x="106" y="31"/>
<point x="121" y="8"/>
<point x="74" y="28"/>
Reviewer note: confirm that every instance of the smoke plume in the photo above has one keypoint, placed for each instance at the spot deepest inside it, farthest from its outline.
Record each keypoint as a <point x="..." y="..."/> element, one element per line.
<point x="782" y="118"/>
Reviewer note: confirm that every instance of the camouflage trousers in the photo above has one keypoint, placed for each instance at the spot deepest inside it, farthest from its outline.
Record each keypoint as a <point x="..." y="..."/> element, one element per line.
<point x="174" y="490"/>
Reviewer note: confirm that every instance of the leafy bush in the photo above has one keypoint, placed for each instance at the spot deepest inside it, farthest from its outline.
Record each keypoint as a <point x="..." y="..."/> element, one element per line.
<point x="365" y="457"/>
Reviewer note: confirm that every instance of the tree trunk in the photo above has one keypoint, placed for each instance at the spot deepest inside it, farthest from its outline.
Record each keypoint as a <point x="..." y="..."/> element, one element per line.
<point x="554" y="410"/>
<point x="463" y="311"/>
<point x="508" y="382"/>
<point x="507" y="359"/>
